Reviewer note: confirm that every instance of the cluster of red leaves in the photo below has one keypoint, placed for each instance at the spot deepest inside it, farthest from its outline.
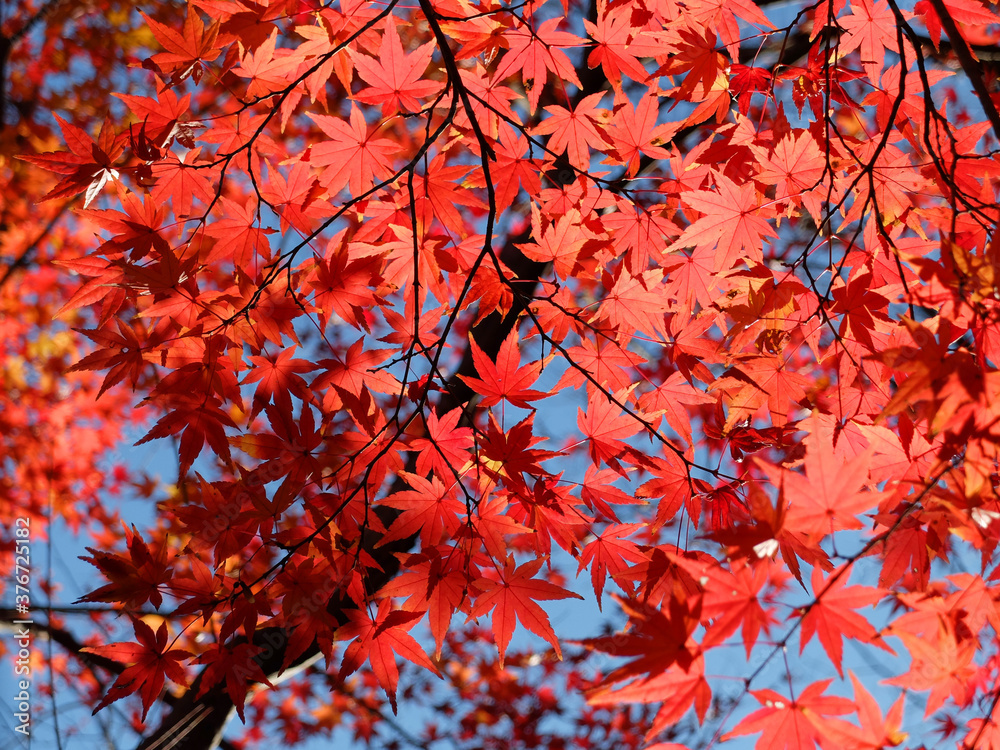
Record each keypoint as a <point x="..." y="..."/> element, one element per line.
<point x="771" y="288"/>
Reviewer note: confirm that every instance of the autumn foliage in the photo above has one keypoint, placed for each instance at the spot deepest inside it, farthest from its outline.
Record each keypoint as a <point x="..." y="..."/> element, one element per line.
<point x="552" y="374"/>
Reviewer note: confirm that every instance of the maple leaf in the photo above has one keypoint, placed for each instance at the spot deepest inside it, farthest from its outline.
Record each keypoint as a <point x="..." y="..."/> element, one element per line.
<point x="161" y="118"/>
<point x="732" y="599"/>
<point x="830" y="494"/>
<point x="697" y="56"/>
<point x="875" y="731"/>
<point x="439" y="194"/>
<point x="598" y="491"/>
<point x="239" y="237"/>
<point x="87" y="166"/>
<point x="905" y="552"/>
<point x="722" y="15"/>
<point x="558" y="242"/>
<point x="672" y="485"/>
<point x="435" y="581"/>
<point x="619" y="44"/>
<point x="965" y="12"/>
<point x="635" y="303"/>
<point x="747" y="81"/>
<point x="870" y="26"/>
<point x="609" y="365"/>
<point x="446" y="446"/>
<point x="791" y="724"/>
<point x="534" y="52"/>
<point x="185" y="53"/>
<point x="352" y="157"/>
<point x="357" y="370"/>
<point x="347" y="287"/>
<point x="676" y="689"/>
<point x="199" y="420"/>
<point x="394" y="77"/>
<point x="505" y="380"/>
<point x="511" y="598"/>
<point x="574" y="131"/>
<point x="635" y="133"/>
<point x="267" y="68"/>
<point x="670" y="399"/>
<point x="941" y="663"/>
<point x="732" y="224"/>
<point x="656" y="641"/>
<point x="105" y="285"/>
<point x="608" y="552"/>
<point x="295" y="199"/>
<point x="833" y="615"/>
<point x="277" y="379"/>
<point x="796" y="166"/>
<point x="606" y="426"/>
<point x="378" y="640"/>
<point x="136" y="230"/>
<point x="122" y="354"/>
<point x="430" y="510"/>
<point x="134" y="581"/>
<point x="511" y="454"/>
<point x="491" y="525"/>
<point x="149" y="664"/>
<point x="513" y="173"/>
<point x="177" y="180"/>
<point x="640" y="233"/>
<point x="759" y="380"/>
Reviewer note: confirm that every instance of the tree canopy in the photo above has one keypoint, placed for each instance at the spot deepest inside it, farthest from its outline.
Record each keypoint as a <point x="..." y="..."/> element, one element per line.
<point x="591" y="373"/>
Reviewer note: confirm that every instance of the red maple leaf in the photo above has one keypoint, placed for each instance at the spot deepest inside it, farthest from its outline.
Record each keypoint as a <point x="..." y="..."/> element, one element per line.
<point x="278" y="379"/>
<point x="430" y="510"/>
<point x="177" y="179"/>
<point x="491" y="526"/>
<point x="574" y="131"/>
<point x="534" y="52"/>
<point x="610" y="552"/>
<point x="731" y="222"/>
<point x="505" y="380"/>
<point x="635" y="133"/>
<point x="378" y="640"/>
<point x="655" y="641"/>
<point x="791" y="724"/>
<point x="446" y="447"/>
<point x="833" y="615"/>
<point x="875" y="731"/>
<point x="830" y="495"/>
<point x="134" y="581"/>
<point x="239" y="237"/>
<point x="511" y="597"/>
<point x="149" y="664"/>
<point x="267" y="68"/>
<point x="87" y="166"/>
<point x="136" y="230"/>
<point x="185" y="53"/>
<point x="199" y="419"/>
<point x="394" y="77"/>
<point x="676" y="689"/>
<point x="352" y="158"/>
<point x="870" y="26"/>
<point x="607" y="426"/>
<point x="356" y="370"/>
<point x="435" y="581"/>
